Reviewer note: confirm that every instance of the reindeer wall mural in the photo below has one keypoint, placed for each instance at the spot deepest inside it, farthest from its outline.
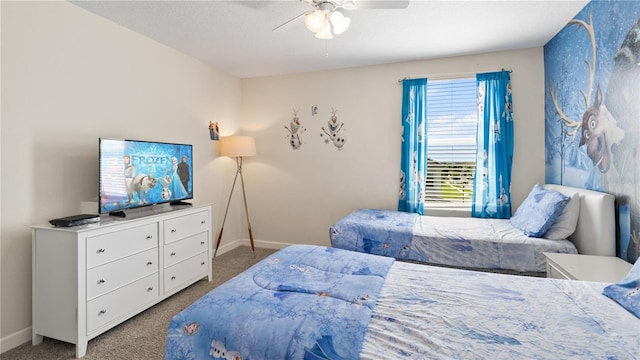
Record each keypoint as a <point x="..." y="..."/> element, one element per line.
<point x="592" y="110"/>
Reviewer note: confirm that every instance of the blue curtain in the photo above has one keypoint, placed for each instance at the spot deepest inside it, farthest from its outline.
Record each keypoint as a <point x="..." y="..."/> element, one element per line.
<point x="492" y="181"/>
<point x="413" y="161"/>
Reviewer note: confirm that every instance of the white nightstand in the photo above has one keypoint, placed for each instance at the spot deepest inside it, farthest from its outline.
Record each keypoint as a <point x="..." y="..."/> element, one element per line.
<point x="609" y="269"/>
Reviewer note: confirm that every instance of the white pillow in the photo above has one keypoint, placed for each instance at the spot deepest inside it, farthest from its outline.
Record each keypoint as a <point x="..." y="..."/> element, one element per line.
<point x="566" y="223"/>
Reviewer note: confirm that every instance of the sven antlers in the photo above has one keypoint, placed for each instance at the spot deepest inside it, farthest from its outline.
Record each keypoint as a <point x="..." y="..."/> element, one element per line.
<point x="576" y="125"/>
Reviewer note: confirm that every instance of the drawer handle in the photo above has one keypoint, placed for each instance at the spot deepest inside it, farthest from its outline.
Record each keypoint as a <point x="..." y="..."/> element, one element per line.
<point x="149" y="263"/>
<point x="100" y="251"/>
<point x="201" y="242"/>
<point x="150" y="289"/>
<point x="173" y="254"/>
<point x="173" y="278"/>
<point x="173" y="230"/>
<point x="149" y="237"/>
<point x="202" y="263"/>
<point x="102" y="312"/>
<point x="101" y="281"/>
<point x="203" y="222"/>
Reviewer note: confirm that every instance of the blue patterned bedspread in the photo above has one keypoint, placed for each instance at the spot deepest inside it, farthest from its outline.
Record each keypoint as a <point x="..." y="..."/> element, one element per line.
<point x="428" y="312"/>
<point x="453" y="241"/>
<point x="378" y="232"/>
<point x="305" y="302"/>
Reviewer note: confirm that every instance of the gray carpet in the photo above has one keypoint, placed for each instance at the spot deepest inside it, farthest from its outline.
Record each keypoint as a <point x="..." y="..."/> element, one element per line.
<point x="143" y="336"/>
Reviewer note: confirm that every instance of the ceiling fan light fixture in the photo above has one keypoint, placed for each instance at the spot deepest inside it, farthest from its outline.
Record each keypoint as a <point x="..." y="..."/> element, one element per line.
<point x="340" y="22"/>
<point x="315" y="20"/>
<point x="325" y="32"/>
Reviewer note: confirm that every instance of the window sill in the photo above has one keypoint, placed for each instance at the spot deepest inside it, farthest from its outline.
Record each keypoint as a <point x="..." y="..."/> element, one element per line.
<point x="446" y="211"/>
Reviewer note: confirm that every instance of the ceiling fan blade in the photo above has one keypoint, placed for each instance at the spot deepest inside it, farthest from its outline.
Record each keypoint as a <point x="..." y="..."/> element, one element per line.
<point x="375" y="4"/>
<point x="288" y="21"/>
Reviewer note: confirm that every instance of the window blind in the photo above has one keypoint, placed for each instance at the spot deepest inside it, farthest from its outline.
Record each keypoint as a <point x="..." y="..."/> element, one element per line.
<point x="451" y="132"/>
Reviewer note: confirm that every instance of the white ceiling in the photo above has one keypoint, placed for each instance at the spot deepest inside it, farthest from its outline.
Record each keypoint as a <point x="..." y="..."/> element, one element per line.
<point x="238" y="38"/>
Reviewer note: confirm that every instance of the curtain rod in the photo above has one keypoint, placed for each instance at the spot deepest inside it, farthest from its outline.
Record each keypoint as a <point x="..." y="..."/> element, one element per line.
<point x="446" y="76"/>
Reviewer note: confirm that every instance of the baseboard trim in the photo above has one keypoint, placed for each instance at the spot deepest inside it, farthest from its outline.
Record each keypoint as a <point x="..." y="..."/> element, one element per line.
<point x="245" y="242"/>
<point x="270" y="244"/>
<point x="14" y="340"/>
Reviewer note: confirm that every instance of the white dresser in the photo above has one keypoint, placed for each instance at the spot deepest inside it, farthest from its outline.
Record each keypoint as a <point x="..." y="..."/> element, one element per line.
<point x="90" y="278"/>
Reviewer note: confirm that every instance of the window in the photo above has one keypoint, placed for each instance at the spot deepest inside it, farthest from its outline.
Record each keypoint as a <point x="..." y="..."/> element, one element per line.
<point x="452" y="124"/>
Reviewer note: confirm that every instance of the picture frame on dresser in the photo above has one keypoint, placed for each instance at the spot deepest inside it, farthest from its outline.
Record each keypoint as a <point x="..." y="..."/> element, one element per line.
<point x="88" y="279"/>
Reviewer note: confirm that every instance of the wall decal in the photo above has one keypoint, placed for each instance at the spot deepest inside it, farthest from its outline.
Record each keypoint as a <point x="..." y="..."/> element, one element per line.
<point x="214" y="131"/>
<point x="295" y="129"/>
<point x="333" y="135"/>
<point x="592" y="110"/>
<point x="314" y="110"/>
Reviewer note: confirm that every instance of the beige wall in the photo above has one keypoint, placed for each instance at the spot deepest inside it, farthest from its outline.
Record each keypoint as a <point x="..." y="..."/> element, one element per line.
<point x="69" y="77"/>
<point x="295" y="195"/>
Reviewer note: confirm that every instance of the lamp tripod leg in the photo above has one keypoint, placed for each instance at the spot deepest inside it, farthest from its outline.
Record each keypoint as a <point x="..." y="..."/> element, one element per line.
<point x="225" y="215"/>
<point x="215" y="251"/>
<point x="246" y="211"/>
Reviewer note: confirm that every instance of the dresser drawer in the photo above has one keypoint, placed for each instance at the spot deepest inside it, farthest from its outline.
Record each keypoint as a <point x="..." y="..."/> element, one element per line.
<point x="185" y="248"/>
<point x="182" y="272"/>
<point x="183" y="226"/>
<point x="110" y="276"/>
<point x="109" y="307"/>
<point x="111" y="246"/>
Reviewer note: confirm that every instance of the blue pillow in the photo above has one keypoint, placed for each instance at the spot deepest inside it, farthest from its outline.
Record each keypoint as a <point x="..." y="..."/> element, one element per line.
<point x="627" y="292"/>
<point x="539" y="211"/>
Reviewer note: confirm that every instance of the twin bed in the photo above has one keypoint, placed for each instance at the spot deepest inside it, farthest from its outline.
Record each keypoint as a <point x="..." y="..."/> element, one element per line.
<point x="314" y="302"/>
<point x="482" y="244"/>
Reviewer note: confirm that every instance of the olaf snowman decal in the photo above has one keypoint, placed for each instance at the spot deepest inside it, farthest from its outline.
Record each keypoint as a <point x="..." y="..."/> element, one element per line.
<point x="295" y="129"/>
<point x="333" y="134"/>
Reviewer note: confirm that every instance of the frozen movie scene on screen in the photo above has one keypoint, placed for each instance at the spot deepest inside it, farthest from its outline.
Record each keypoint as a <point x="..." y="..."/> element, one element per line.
<point x="137" y="173"/>
<point x="592" y="110"/>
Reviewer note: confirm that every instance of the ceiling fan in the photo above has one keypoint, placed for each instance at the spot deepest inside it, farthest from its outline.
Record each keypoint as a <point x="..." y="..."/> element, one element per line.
<point x="326" y="20"/>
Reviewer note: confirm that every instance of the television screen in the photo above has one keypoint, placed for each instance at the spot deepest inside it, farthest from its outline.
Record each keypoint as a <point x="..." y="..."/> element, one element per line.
<point x="136" y="173"/>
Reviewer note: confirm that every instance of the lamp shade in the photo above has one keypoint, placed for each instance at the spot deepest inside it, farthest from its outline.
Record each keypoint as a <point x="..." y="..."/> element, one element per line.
<point x="237" y="146"/>
<point x="315" y="20"/>
<point x="325" y="32"/>
<point x="340" y="22"/>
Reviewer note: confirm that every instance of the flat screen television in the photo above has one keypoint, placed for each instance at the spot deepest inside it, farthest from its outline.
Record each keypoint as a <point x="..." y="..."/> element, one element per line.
<point x="135" y="173"/>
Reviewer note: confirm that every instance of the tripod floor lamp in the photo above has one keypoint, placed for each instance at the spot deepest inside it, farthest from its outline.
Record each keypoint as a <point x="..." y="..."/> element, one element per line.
<point x="238" y="147"/>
